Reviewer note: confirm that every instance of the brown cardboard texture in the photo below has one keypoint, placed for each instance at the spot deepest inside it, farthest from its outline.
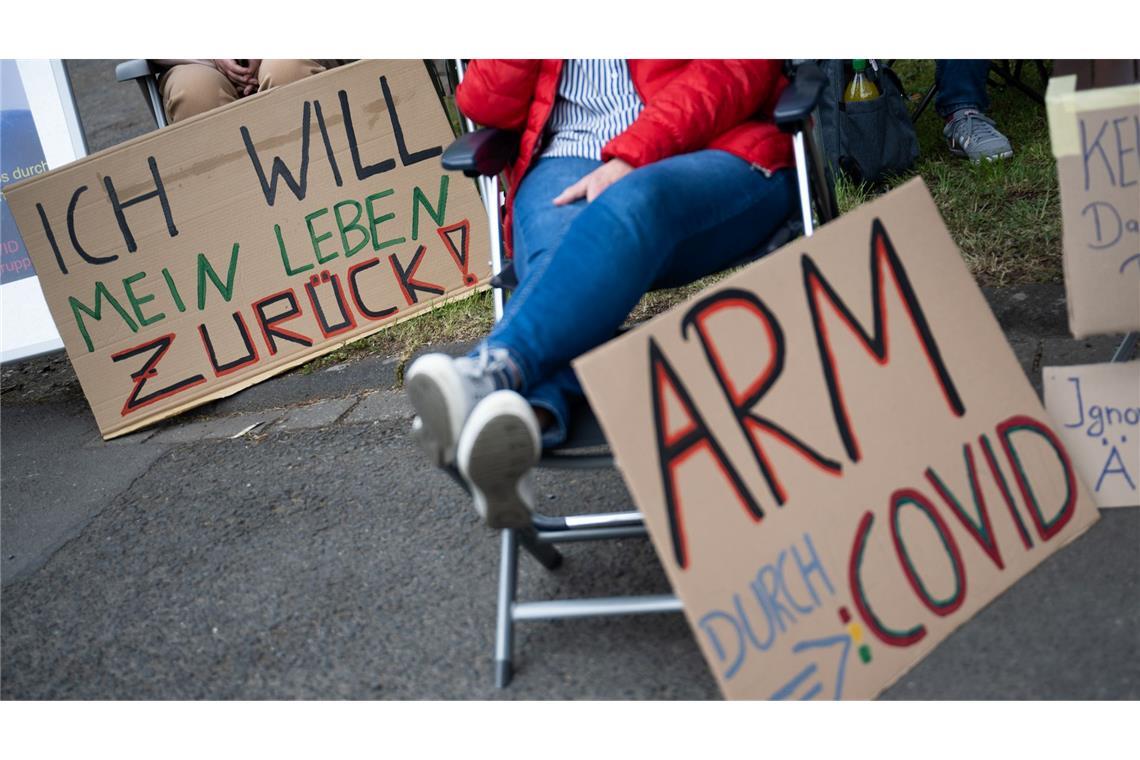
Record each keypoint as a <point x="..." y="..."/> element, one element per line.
<point x="212" y="254"/>
<point x="1096" y="139"/>
<point x="838" y="457"/>
<point x="1097" y="411"/>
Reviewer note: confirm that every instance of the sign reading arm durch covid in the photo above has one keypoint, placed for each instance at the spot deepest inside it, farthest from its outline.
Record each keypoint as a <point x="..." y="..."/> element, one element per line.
<point x="838" y="457"/>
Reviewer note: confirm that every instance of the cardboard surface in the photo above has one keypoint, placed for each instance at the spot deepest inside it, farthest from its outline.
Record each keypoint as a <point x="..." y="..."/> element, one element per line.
<point x="212" y="254"/>
<point x="1096" y="140"/>
<point x="837" y="455"/>
<point x="1097" y="411"/>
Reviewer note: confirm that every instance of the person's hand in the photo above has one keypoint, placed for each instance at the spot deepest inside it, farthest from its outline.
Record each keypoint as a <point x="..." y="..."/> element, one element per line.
<point x="253" y="64"/>
<point x="242" y="77"/>
<point x="592" y="185"/>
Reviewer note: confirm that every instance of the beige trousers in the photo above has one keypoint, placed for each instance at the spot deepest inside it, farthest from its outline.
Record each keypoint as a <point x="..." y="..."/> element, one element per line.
<point x="193" y="88"/>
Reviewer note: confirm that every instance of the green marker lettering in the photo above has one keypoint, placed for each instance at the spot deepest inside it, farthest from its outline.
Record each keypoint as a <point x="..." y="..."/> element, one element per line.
<point x="418" y="199"/>
<point x="350" y="250"/>
<point x="206" y="270"/>
<point x="318" y="239"/>
<point x="96" y="313"/>
<point x="173" y="289"/>
<point x="290" y="271"/>
<point x="137" y="302"/>
<point x="375" y="221"/>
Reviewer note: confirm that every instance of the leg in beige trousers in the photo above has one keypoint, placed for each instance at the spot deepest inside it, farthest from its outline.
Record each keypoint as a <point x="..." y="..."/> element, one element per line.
<point x="193" y="88"/>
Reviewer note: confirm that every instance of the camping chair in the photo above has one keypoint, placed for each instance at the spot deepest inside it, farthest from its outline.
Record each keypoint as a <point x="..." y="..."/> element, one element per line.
<point x="140" y="71"/>
<point x="483" y="154"/>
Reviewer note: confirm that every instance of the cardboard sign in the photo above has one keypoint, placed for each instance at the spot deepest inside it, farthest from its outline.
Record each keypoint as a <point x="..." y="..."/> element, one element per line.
<point x="1097" y="407"/>
<point x="837" y="455"/>
<point x="212" y="254"/>
<point x="1096" y="139"/>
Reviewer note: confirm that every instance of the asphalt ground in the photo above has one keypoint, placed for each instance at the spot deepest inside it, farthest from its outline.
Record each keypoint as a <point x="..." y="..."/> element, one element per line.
<point x="317" y="555"/>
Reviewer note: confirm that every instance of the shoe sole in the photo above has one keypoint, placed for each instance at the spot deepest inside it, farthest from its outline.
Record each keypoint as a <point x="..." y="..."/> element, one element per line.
<point x="962" y="154"/>
<point x="494" y="461"/>
<point x="425" y="385"/>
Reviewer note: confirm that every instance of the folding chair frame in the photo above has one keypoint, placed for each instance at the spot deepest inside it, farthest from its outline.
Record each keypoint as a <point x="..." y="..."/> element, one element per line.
<point x="145" y="76"/>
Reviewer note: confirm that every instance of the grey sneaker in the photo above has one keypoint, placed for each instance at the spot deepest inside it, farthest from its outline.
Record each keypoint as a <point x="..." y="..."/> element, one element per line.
<point x="498" y="448"/>
<point x="443" y="390"/>
<point x="973" y="135"/>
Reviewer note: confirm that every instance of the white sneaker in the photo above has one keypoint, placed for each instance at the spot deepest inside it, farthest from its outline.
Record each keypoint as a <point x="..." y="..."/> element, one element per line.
<point x="498" y="448"/>
<point x="444" y="390"/>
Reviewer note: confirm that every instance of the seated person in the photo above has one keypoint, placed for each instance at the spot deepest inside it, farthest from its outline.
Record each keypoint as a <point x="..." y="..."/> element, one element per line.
<point x="193" y="86"/>
<point x="630" y="176"/>
<point x="962" y="101"/>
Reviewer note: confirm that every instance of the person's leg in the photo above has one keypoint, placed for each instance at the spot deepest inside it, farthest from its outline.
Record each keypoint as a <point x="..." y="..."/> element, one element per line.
<point x="193" y="88"/>
<point x="961" y="84"/>
<point x="672" y="221"/>
<point x="538" y="226"/>
<point x="444" y="390"/>
<point x="538" y="229"/>
<point x="962" y="101"/>
<point x="277" y="72"/>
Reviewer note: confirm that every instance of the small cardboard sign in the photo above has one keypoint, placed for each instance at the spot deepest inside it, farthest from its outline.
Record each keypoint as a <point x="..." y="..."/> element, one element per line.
<point x="1097" y="409"/>
<point x="1096" y="140"/>
<point x="837" y="455"/>
<point x="204" y="257"/>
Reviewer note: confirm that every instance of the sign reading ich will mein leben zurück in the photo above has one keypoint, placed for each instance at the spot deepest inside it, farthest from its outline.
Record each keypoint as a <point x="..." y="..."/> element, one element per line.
<point x="837" y="455"/>
<point x="210" y="255"/>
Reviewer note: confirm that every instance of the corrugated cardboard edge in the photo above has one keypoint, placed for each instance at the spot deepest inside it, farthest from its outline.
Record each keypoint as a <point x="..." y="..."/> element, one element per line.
<point x="1062" y="101"/>
<point x="894" y="678"/>
<point x="308" y="357"/>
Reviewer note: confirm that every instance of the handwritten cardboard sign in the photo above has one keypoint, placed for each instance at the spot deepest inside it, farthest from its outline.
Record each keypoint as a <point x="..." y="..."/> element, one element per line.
<point x="1097" y="408"/>
<point x="212" y="254"/>
<point x="837" y="455"/>
<point x="1096" y="140"/>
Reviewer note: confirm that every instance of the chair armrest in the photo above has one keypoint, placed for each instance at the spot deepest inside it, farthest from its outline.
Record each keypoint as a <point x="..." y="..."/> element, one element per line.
<point x="484" y="152"/>
<point x="800" y="98"/>
<point x="134" y="69"/>
<point x="507" y="278"/>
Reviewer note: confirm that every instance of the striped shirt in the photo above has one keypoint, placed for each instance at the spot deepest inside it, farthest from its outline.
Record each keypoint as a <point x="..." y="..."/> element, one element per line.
<point x="596" y="102"/>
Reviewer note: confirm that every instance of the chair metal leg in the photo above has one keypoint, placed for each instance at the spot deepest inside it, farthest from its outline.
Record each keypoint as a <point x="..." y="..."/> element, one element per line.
<point x="156" y="108"/>
<point x="820" y="180"/>
<point x="922" y="104"/>
<point x="543" y="552"/>
<point x="1012" y="77"/>
<point x="1126" y="348"/>
<point x="802" y="181"/>
<point x="504" y="627"/>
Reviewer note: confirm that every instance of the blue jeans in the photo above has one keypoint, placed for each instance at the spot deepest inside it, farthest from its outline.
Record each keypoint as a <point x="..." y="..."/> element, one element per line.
<point x="584" y="266"/>
<point x="961" y="84"/>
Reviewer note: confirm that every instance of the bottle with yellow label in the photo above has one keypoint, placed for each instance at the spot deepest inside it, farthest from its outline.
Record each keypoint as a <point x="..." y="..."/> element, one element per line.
<point x="860" y="88"/>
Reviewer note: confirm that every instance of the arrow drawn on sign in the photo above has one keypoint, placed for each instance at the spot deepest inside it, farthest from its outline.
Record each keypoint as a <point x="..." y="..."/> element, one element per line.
<point x="805" y="675"/>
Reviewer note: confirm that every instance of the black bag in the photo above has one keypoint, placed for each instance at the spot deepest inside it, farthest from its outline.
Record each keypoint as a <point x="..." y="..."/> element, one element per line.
<point x="867" y="140"/>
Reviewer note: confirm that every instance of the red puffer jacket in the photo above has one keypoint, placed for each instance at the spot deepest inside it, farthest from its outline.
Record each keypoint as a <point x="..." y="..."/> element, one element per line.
<point x="689" y="105"/>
